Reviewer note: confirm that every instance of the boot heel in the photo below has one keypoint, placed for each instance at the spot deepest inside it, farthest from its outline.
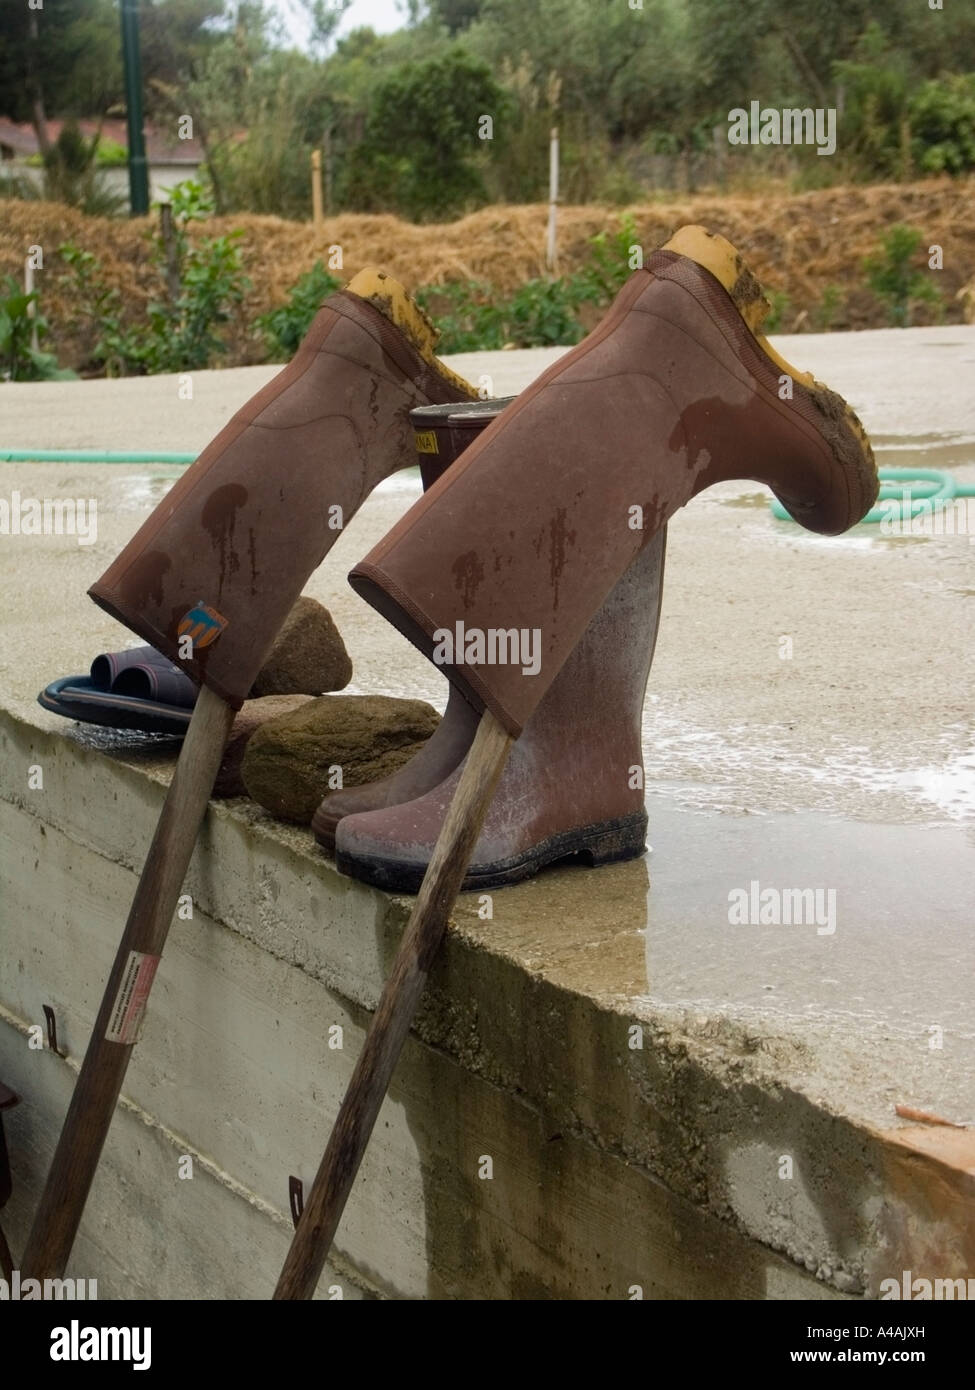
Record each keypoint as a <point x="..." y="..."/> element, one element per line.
<point x="615" y="840"/>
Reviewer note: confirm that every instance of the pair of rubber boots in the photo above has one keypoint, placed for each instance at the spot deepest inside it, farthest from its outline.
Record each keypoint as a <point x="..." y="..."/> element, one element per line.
<point x="530" y="570"/>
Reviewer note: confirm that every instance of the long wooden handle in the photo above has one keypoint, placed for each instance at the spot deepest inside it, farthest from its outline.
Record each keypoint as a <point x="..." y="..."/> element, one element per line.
<point x="119" y="1018"/>
<point x="397" y="1005"/>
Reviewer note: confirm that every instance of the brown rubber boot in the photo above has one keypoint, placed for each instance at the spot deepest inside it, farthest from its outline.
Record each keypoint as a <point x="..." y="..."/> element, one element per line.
<point x="441" y="433"/>
<point x="214" y="571"/>
<point x="525" y="535"/>
<point x="573" y="784"/>
<point x="498" y="570"/>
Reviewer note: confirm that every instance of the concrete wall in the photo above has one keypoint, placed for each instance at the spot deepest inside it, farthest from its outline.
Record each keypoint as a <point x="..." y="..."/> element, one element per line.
<point x="613" y="1169"/>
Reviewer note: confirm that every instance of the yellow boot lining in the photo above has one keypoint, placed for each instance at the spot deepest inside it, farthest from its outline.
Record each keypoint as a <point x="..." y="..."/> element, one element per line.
<point x="390" y="298"/>
<point x="717" y="255"/>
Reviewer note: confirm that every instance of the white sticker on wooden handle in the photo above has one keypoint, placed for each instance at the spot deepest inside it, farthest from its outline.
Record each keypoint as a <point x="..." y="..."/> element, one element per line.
<point x="130" y="1001"/>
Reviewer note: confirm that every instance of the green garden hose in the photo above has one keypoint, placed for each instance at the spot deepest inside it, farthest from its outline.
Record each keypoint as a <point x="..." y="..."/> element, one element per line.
<point x="89" y="456"/>
<point x="926" y="489"/>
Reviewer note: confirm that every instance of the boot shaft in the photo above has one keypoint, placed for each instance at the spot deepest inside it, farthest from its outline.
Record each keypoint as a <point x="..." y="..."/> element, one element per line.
<point x="534" y="526"/>
<point x="225" y="555"/>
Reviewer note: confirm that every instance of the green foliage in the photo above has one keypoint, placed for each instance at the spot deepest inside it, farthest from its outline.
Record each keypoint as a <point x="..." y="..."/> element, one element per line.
<point x="110" y="154"/>
<point x="781" y="305"/>
<point x="64" y="55"/>
<point x="472" y="317"/>
<point x="400" y="110"/>
<point x="831" y="304"/>
<point x="612" y="260"/>
<point x="180" y="334"/>
<point x="456" y="15"/>
<point x="468" y="314"/>
<point x="213" y="283"/>
<point x="283" y="328"/>
<point x="18" y="360"/>
<point x="420" y="151"/>
<point x="114" y="348"/>
<point x="895" y="279"/>
<point x="875" y="90"/>
<point x="942" y="119"/>
<point x="71" y="174"/>
<point x="543" y="313"/>
<point x="191" y="202"/>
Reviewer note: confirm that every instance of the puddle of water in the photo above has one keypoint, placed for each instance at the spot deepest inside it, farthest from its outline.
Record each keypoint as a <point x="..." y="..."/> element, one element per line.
<point x="741" y="765"/>
<point x="884" y="929"/>
<point x="143" y="491"/>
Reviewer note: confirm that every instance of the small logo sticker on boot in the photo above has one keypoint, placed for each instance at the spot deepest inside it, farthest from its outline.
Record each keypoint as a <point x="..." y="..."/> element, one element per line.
<point x="426" y="441"/>
<point x="202" y="625"/>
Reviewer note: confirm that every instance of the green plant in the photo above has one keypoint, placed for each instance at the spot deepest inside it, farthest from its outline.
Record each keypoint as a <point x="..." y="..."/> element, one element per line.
<point x="894" y="279"/>
<point x="71" y="174"/>
<point x="19" y="361"/>
<point x="114" y="348"/>
<point x="942" y="119"/>
<point x="283" y="328"/>
<point x="831" y="303"/>
<point x="781" y="305"/>
<point x="875" y="84"/>
<point x="542" y="313"/>
<point x="110" y="154"/>
<point x="611" y="262"/>
<point x="212" y="279"/>
<point x="468" y="314"/>
<point x="203" y="283"/>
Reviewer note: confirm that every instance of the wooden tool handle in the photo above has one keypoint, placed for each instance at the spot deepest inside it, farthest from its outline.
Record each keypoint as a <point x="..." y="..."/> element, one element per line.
<point x="117" y="1025"/>
<point x="397" y="1005"/>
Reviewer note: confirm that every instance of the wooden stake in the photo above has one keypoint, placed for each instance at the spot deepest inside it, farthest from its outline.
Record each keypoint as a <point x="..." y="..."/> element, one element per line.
<point x="316" y="195"/>
<point x="117" y="1025"/>
<point x="391" y="1022"/>
<point x="551" y="252"/>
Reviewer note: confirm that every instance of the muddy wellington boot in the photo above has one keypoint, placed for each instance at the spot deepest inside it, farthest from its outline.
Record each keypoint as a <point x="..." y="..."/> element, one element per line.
<point x="615" y="652"/>
<point x="441" y="433"/>
<point x="497" y="572"/>
<point x="214" y="571"/>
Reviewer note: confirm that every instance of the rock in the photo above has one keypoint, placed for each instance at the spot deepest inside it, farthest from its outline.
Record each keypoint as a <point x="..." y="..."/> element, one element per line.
<point x="250" y="717"/>
<point x="308" y="655"/>
<point x="288" y="760"/>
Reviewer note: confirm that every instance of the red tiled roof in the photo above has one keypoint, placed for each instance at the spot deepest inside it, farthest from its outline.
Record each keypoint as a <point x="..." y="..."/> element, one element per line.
<point x="163" y="146"/>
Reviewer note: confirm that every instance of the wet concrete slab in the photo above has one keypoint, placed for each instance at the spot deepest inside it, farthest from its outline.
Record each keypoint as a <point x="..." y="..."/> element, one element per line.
<point x="844" y="768"/>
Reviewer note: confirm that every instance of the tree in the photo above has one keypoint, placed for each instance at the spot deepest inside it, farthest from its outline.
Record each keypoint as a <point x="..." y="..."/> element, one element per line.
<point x="59" y="60"/>
<point x="325" y="17"/>
<point x="455" y="15"/>
<point x="422" y="137"/>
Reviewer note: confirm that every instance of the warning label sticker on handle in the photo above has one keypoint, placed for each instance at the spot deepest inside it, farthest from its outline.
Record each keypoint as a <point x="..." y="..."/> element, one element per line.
<point x="125" y="1023"/>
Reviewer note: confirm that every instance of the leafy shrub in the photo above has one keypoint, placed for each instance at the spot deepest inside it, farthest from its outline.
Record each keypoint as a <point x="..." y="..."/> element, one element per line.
<point x="872" y="127"/>
<point x="611" y="263"/>
<point x="942" y="119"/>
<point x="468" y="314"/>
<point x="895" y="280"/>
<point x="19" y="361"/>
<point x="180" y="335"/>
<point x="781" y="304"/>
<point x="831" y="304"/>
<point x="543" y="313"/>
<point x="421" y="138"/>
<point x="71" y="174"/>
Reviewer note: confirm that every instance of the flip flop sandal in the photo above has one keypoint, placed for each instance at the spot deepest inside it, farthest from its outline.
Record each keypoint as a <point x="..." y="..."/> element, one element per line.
<point x="136" y="689"/>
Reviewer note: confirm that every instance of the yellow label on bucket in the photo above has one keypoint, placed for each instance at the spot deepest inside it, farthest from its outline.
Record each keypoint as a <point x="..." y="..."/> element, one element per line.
<point x="426" y="442"/>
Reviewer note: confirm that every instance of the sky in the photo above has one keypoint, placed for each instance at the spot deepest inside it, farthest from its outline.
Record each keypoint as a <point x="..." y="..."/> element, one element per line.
<point x="382" y="15"/>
